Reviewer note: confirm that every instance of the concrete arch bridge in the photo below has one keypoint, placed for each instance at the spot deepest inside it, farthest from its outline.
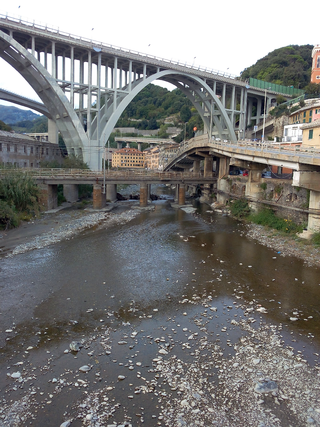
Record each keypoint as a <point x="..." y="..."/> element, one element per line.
<point x="86" y="85"/>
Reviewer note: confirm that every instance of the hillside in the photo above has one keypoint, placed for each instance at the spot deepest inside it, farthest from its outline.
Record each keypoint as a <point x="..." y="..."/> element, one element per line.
<point x="288" y="66"/>
<point x="12" y="115"/>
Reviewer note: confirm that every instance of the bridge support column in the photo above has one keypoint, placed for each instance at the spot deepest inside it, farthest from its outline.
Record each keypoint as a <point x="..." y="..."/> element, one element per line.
<point x="182" y="195"/>
<point x="119" y="145"/>
<point x="48" y="196"/>
<point x="253" y="189"/>
<point x="111" y="192"/>
<point x="52" y="132"/>
<point x="224" y="163"/>
<point x="208" y="167"/>
<point x="71" y="192"/>
<point x="196" y="167"/>
<point x="99" y="198"/>
<point x="143" y="195"/>
<point x="149" y="191"/>
<point x="139" y="146"/>
<point x="314" y="217"/>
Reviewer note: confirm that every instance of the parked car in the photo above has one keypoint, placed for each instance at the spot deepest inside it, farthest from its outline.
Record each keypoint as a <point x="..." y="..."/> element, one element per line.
<point x="266" y="174"/>
<point x="245" y="173"/>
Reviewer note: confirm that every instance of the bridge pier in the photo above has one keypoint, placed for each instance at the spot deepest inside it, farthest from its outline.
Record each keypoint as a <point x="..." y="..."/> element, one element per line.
<point x="48" y="196"/>
<point x="196" y="167"/>
<point x="52" y="132"/>
<point x="99" y="198"/>
<point x="224" y="163"/>
<point x="71" y="192"/>
<point x="182" y="195"/>
<point x="139" y="146"/>
<point x="143" y="195"/>
<point x="119" y="145"/>
<point x="111" y="192"/>
<point x="208" y="167"/>
<point x="314" y="217"/>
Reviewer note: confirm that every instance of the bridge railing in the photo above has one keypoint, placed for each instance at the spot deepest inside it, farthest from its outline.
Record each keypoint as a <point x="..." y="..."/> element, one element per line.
<point x="93" y="175"/>
<point x="94" y="43"/>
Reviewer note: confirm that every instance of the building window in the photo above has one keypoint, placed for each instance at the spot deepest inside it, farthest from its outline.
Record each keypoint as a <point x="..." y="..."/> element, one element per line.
<point x="8" y="148"/>
<point x="31" y="165"/>
<point x="0" y="146"/>
<point x="317" y="77"/>
<point x="318" y="61"/>
<point x="310" y="134"/>
<point x="15" y="148"/>
<point x="24" y="149"/>
<point x="31" y="150"/>
<point x="47" y="151"/>
<point x="304" y="114"/>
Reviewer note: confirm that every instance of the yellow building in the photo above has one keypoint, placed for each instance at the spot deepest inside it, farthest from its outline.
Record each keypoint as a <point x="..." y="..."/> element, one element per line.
<point x="128" y="158"/>
<point x="311" y="134"/>
<point x="306" y="114"/>
<point x="152" y="158"/>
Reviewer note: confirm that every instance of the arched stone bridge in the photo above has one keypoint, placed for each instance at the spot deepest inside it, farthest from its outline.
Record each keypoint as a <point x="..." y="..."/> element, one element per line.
<point x="86" y="85"/>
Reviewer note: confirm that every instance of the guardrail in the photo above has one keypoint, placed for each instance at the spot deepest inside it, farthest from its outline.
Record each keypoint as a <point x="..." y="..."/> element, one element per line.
<point x="43" y="173"/>
<point x="94" y="43"/>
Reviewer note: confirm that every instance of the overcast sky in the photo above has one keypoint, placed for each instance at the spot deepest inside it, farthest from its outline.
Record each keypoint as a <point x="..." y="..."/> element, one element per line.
<point x="220" y="35"/>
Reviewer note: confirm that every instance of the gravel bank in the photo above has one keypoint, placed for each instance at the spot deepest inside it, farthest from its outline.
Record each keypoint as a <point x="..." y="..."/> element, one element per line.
<point x="72" y="227"/>
<point x="288" y="246"/>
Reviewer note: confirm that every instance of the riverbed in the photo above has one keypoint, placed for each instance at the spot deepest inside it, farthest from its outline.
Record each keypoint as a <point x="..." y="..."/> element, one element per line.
<point x="174" y="318"/>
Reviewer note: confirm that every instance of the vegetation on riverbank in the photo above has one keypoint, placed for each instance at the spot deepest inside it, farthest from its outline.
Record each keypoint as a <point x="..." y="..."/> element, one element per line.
<point x="19" y="198"/>
<point x="266" y="216"/>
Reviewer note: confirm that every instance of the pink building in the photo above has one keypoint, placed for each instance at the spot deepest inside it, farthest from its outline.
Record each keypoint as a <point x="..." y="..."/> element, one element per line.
<point x="315" y="73"/>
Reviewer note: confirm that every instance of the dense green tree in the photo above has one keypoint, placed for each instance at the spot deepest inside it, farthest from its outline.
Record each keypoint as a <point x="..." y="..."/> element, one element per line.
<point x="289" y="66"/>
<point x="185" y="113"/>
<point x="5" y="127"/>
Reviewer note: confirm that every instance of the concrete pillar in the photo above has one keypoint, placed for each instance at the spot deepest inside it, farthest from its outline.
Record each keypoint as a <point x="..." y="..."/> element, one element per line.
<point x="111" y="192"/>
<point x="223" y="189"/>
<point x="52" y="132"/>
<point x="143" y="195"/>
<point x="182" y="195"/>
<point x="119" y="145"/>
<point x="224" y="163"/>
<point x="196" y="167"/>
<point x="176" y="195"/>
<point x="139" y="146"/>
<point x="208" y="167"/>
<point x="149" y="191"/>
<point x="71" y="192"/>
<point x="314" y="215"/>
<point x="253" y="189"/>
<point x="99" y="198"/>
<point x="48" y="196"/>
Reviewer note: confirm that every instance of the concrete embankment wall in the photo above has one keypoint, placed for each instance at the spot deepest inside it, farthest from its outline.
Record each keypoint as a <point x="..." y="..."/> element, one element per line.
<point x="288" y="201"/>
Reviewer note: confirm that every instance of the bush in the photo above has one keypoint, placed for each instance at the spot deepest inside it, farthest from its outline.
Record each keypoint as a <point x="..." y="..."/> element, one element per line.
<point x="268" y="218"/>
<point x="316" y="239"/>
<point x="19" y="190"/>
<point x="240" y="208"/>
<point x="8" y="218"/>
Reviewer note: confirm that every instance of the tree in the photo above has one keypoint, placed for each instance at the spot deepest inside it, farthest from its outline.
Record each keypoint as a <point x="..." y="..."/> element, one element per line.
<point x="185" y="113"/>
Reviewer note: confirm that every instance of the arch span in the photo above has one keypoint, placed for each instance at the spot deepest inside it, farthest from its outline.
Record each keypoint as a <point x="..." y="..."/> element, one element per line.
<point x="196" y="89"/>
<point x="48" y="91"/>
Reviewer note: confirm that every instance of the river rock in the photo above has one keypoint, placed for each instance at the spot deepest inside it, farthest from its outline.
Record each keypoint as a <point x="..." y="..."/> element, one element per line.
<point x="265" y="386"/>
<point x="85" y="368"/>
<point x="75" y="346"/>
<point x="66" y="424"/>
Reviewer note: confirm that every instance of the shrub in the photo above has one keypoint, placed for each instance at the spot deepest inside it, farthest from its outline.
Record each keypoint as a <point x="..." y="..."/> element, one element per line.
<point x="268" y="218"/>
<point x="19" y="189"/>
<point x="316" y="239"/>
<point x="240" y="208"/>
<point x="8" y="218"/>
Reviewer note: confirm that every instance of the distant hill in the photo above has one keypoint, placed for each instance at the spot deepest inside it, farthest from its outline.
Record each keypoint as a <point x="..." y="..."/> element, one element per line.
<point x="12" y="115"/>
<point x="288" y="66"/>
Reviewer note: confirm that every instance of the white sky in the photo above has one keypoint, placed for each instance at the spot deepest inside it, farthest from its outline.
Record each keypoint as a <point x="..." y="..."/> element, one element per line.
<point x="221" y="35"/>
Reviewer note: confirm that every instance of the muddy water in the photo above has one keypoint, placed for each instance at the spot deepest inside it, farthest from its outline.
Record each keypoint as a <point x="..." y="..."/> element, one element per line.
<point x="127" y="292"/>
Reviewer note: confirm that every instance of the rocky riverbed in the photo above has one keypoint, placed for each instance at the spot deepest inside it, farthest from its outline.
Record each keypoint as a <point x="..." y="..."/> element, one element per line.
<point x="196" y="370"/>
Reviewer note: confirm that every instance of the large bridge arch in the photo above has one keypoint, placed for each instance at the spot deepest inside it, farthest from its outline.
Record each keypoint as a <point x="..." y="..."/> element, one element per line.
<point x="196" y="89"/>
<point x="48" y="91"/>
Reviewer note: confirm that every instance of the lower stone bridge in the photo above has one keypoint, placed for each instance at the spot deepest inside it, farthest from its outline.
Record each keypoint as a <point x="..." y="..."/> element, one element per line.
<point x="105" y="183"/>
